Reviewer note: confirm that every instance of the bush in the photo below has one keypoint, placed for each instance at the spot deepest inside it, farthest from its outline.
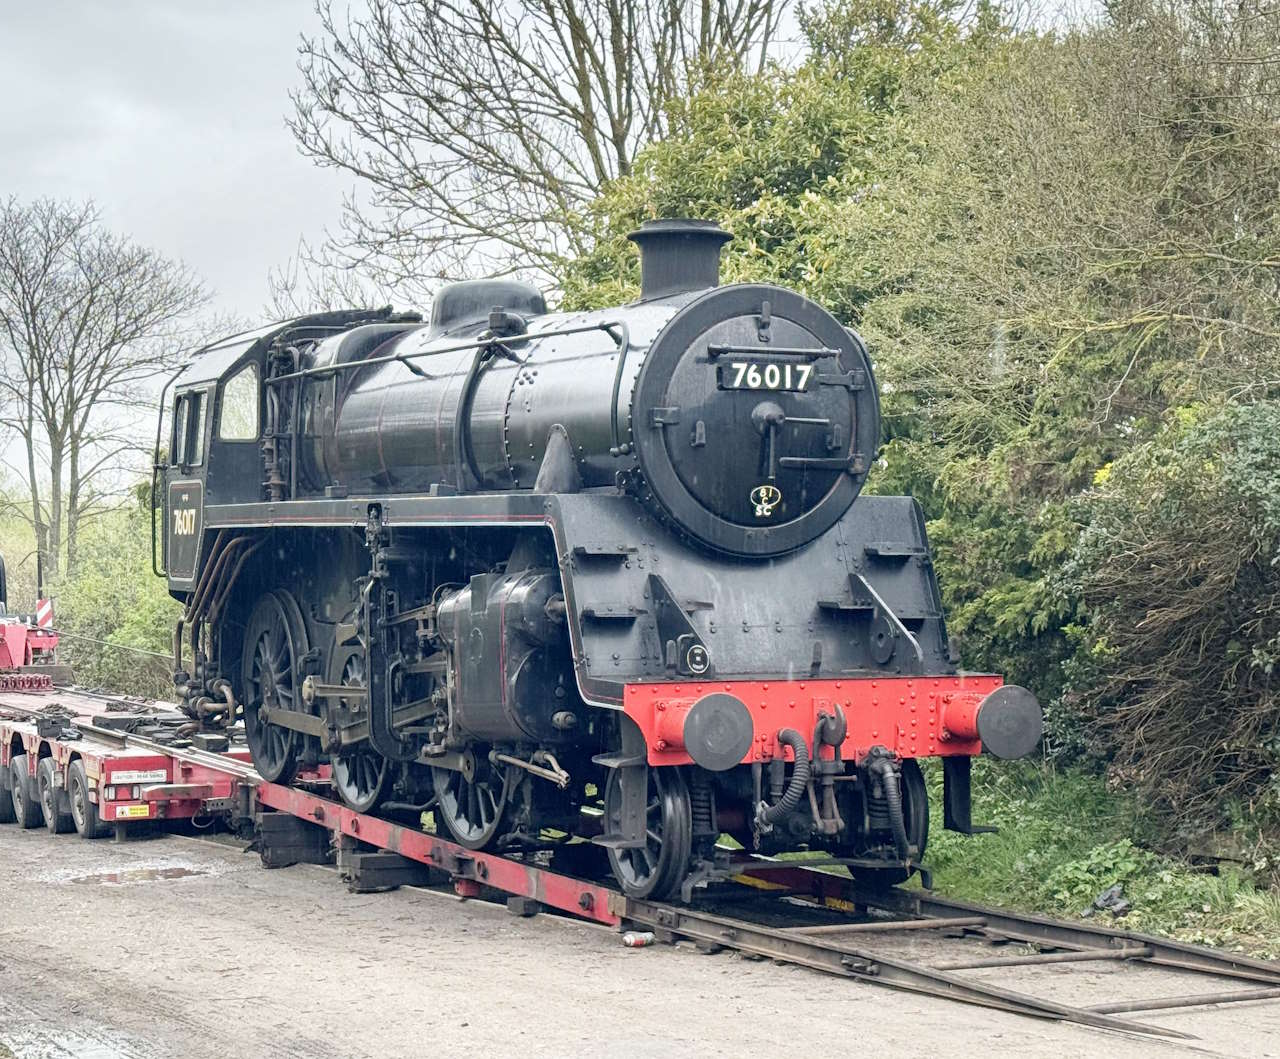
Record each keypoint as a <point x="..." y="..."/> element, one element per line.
<point x="1177" y="572"/>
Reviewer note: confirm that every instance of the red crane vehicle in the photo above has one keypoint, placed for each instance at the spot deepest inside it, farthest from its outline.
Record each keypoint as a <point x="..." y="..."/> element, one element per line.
<point x="28" y="644"/>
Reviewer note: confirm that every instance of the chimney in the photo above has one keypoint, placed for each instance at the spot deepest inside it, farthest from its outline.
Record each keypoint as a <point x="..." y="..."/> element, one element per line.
<point x="678" y="255"/>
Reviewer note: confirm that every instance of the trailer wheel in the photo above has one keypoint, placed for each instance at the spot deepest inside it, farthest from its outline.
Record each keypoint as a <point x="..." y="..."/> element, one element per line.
<point x="26" y="810"/>
<point x="83" y="812"/>
<point x="56" y="819"/>
<point x="7" y="815"/>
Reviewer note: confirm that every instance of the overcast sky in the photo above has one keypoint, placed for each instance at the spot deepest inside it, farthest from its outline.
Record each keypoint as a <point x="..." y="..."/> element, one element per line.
<point x="170" y="114"/>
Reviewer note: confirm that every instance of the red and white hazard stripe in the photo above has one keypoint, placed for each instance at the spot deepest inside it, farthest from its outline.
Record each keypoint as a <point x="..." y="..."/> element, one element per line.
<point x="44" y="613"/>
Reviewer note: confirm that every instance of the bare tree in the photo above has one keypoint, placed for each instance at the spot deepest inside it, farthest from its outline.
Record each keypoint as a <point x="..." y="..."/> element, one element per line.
<point x="88" y="319"/>
<point x="308" y="283"/>
<point x="477" y="130"/>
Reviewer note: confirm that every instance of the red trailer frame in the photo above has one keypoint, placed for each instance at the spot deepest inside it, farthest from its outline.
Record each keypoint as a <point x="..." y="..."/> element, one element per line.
<point x="134" y="779"/>
<point x="126" y="783"/>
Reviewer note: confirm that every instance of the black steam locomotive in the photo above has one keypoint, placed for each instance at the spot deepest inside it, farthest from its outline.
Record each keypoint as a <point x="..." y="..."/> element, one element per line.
<point x="567" y="576"/>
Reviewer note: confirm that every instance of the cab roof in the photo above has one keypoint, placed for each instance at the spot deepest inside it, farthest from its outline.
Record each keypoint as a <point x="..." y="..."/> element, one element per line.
<point x="218" y="359"/>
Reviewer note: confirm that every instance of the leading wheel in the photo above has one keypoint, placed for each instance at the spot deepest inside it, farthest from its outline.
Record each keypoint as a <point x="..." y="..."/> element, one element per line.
<point x="275" y="640"/>
<point x="657" y="868"/>
<point x="472" y="802"/>
<point x="915" y="815"/>
<point x="56" y="819"/>
<point x="360" y="773"/>
<point x="84" y="813"/>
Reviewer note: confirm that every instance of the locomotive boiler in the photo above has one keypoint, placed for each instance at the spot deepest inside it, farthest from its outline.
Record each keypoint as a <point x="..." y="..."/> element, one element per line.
<point x="581" y="581"/>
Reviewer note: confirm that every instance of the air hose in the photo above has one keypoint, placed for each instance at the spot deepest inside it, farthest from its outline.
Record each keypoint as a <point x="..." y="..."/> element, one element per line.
<point x="888" y="776"/>
<point x="768" y="815"/>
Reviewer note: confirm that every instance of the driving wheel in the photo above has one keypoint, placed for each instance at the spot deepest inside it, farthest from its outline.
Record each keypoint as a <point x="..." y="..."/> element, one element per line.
<point x="275" y="640"/>
<point x="359" y="771"/>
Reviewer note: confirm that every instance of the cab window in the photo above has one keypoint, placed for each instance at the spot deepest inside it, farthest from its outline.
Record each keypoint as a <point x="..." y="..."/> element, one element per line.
<point x="188" y="429"/>
<point x="238" y="414"/>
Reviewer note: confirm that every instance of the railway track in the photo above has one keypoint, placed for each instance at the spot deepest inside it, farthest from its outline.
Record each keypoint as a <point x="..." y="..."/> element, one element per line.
<point x="925" y="943"/>
<point x="795" y="912"/>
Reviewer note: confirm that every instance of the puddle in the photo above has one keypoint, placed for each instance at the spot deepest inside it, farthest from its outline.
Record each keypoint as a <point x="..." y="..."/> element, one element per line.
<point x="135" y="875"/>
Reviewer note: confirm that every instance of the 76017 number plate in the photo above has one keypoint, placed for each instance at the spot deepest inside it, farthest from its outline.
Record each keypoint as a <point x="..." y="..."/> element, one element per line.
<point x="763" y="375"/>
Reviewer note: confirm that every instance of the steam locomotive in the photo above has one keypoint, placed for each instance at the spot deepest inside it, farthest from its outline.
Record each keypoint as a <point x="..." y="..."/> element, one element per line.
<point x="575" y="578"/>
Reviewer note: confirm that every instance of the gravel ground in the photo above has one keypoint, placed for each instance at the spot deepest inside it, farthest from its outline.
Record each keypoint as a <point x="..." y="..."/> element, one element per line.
<point x="185" y="947"/>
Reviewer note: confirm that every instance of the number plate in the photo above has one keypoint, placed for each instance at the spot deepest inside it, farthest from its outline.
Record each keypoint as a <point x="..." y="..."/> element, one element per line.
<point x="763" y="375"/>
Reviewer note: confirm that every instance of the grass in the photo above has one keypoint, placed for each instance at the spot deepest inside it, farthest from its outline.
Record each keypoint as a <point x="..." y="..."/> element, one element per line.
<point x="1064" y="838"/>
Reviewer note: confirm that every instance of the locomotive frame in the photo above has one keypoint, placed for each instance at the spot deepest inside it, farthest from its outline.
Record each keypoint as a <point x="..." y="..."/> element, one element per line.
<point x="490" y="566"/>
